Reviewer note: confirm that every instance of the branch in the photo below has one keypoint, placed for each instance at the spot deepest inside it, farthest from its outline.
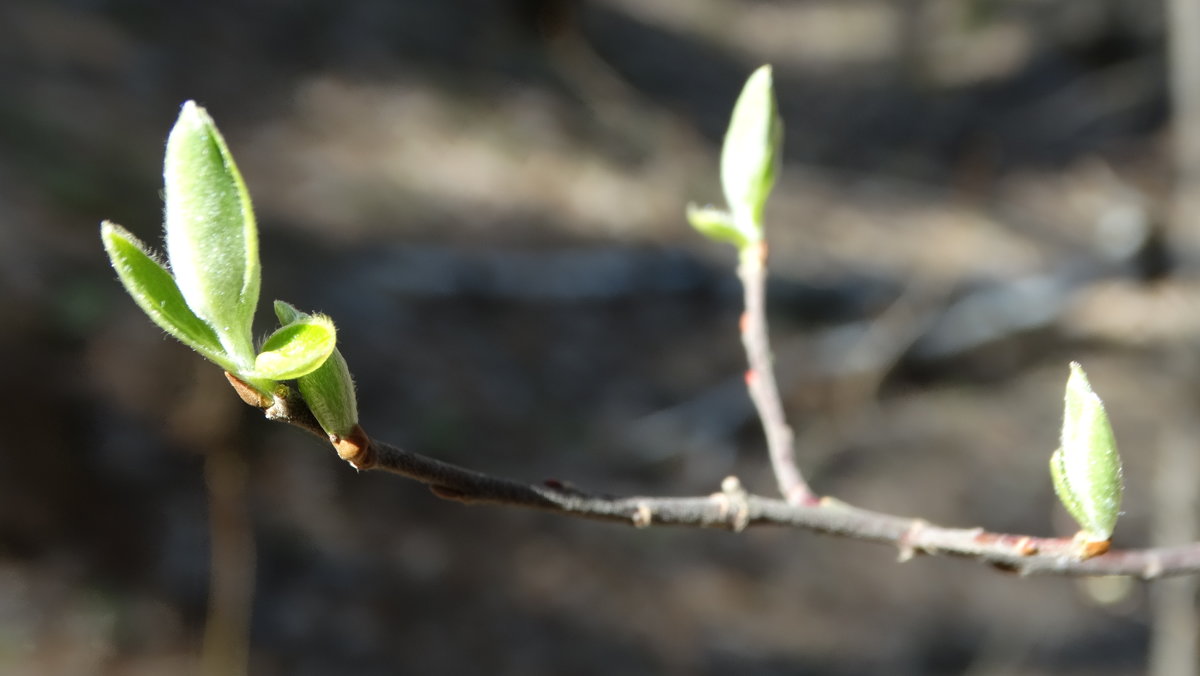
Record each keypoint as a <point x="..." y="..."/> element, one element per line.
<point x="760" y="378"/>
<point x="734" y="509"/>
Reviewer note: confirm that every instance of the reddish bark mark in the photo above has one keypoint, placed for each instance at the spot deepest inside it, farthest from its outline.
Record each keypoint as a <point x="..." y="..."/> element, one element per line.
<point x="1089" y="548"/>
<point x="761" y="250"/>
<point x="1027" y="547"/>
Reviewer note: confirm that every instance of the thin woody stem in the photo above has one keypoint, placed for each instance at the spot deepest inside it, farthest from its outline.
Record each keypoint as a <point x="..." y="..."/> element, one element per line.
<point x="760" y="378"/>
<point x="732" y="508"/>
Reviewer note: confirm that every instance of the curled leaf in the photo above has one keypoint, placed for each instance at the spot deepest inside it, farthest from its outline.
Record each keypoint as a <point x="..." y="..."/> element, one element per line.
<point x="296" y="349"/>
<point x="329" y="389"/>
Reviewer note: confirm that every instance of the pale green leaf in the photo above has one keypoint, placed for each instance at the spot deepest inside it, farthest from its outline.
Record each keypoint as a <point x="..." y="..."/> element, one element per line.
<point x="287" y="313"/>
<point x="750" y="154"/>
<point x="1066" y="495"/>
<point x="296" y="349"/>
<point x="155" y="291"/>
<point x="1087" y="468"/>
<point x="718" y="224"/>
<point x="212" y="240"/>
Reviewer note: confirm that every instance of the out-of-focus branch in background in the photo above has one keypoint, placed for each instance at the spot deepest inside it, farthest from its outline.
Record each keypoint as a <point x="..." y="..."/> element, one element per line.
<point x="1174" y="633"/>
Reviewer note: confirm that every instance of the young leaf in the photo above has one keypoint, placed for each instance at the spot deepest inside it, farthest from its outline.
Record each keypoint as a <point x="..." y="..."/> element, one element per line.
<point x="329" y="390"/>
<point x="155" y="291"/>
<point x="287" y="313"/>
<point x="329" y="393"/>
<point x="718" y="224"/>
<point x="750" y="154"/>
<point x="296" y="349"/>
<point x="1086" y="468"/>
<point x="212" y="241"/>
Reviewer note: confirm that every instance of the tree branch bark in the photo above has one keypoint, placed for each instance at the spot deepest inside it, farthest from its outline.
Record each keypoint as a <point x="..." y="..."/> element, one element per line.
<point x="732" y="508"/>
<point x="760" y="379"/>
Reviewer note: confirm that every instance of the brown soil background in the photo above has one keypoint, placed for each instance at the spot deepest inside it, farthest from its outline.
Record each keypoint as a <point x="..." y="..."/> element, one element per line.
<point x="488" y="198"/>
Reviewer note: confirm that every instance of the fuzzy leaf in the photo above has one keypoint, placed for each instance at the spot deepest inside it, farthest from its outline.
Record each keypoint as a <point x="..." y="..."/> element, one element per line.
<point x="329" y="393"/>
<point x="329" y="390"/>
<point x="212" y="240"/>
<point x="287" y="313"/>
<point x="750" y="154"/>
<point x="718" y="224"/>
<point x="1086" y="468"/>
<point x="296" y="349"/>
<point x="155" y="291"/>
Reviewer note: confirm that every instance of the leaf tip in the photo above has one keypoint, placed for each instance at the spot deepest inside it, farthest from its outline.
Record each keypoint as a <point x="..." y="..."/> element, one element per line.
<point x="285" y="312"/>
<point x="110" y="232"/>
<point x="193" y="114"/>
<point x="764" y="74"/>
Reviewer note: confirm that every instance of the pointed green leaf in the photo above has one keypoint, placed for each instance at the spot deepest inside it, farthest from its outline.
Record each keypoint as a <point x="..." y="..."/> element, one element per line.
<point x="212" y="241"/>
<point x="1087" y="468"/>
<point x="287" y="313"/>
<point x="329" y="390"/>
<point x="296" y="349"/>
<point x="750" y="155"/>
<point x="153" y="289"/>
<point x="717" y="224"/>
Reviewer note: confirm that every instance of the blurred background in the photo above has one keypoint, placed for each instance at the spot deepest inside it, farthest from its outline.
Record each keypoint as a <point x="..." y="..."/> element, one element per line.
<point x="488" y="198"/>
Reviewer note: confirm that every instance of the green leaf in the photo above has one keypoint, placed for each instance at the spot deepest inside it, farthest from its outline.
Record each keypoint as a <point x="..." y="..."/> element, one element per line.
<point x="287" y="313"/>
<point x="155" y="291"/>
<point x="296" y="349"/>
<point x="718" y="224"/>
<point x="212" y="241"/>
<point x="1086" y="468"/>
<point x="750" y="155"/>
<point x="329" y="390"/>
<point x="329" y="393"/>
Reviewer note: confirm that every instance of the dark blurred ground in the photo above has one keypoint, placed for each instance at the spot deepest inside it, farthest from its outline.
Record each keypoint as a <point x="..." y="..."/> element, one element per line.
<point x="488" y="198"/>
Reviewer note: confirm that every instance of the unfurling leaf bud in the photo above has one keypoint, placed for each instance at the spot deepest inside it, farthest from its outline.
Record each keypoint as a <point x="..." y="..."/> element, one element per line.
<point x="750" y="154"/>
<point x="1086" y="468"/>
<point x="328" y="390"/>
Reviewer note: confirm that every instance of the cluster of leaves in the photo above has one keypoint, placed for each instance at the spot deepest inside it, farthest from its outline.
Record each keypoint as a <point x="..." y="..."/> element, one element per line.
<point x="208" y="298"/>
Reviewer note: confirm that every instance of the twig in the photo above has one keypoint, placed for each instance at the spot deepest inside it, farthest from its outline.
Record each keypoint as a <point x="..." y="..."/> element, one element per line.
<point x="732" y="508"/>
<point x="760" y="379"/>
